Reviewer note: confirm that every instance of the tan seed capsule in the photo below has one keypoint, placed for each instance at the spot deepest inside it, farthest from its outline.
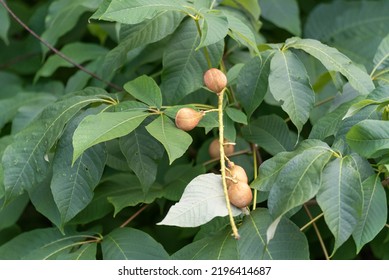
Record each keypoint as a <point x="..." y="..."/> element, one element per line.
<point x="215" y="80"/>
<point x="237" y="173"/>
<point x="214" y="149"/>
<point x="188" y="118"/>
<point x="240" y="194"/>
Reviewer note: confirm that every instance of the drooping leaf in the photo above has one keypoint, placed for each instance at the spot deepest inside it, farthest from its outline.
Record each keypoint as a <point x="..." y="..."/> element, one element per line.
<point x="220" y="246"/>
<point x="142" y="34"/>
<point x="104" y="126"/>
<point x="334" y="60"/>
<point x="24" y="161"/>
<point x="283" y="13"/>
<point x="4" y="24"/>
<point x="369" y="138"/>
<point x="145" y="89"/>
<point x="131" y="244"/>
<point x="39" y="244"/>
<point x="374" y="212"/>
<point x="135" y="11"/>
<point x="340" y="198"/>
<point x="289" y="243"/>
<point x="202" y="200"/>
<point x="289" y="84"/>
<point x="214" y="27"/>
<point x="72" y="185"/>
<point x="175" y="141"/>
<point x="183" y="66"/>
<point x="270" y="133"/>
<point x="252" y="82"/>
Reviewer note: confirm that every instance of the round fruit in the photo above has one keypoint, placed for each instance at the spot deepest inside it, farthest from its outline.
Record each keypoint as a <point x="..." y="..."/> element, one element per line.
<point x="240" y="194"/>
<point x="187" y="118"/>
<point x="215" y="80"/>
<point x="237" y="173"/>
<point x="214" y="149"/>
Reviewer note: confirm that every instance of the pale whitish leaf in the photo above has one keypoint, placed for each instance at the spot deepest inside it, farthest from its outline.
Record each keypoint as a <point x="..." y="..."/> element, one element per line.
<point x="175" y="141"/>
<point x="334" y="60"/>
<point x="270" y="133"/>
<point x="340" y="198"/>
<point x="135" y="11"/>
<point x="62" y="16"/>
<point x="381" y="58"/>
<point x="214" y="27"/>
<point x="145" y="89"/>
<point x="289" y="243"/>
<point x="79" y="52"/>
<point x="289" y="84"/>
<point x="39" y="244"/>
<point x="183" y="66"/>
<point x="72" y="185"/>
<point x="4" y="24"/>
<point x="142" y="34"/>
<point x="283" y="13"/>
<point x="24" y="160"/>
<point x="104" y="126"/>
<point x="202" y="200"/>
<point x="369" y="138"/>
<point x="219" y="246"/>
<point x="298" y="181"/>
<point x="131" y="244"/>
<point x="252" y="82"/>
<point x="374" y="213"/>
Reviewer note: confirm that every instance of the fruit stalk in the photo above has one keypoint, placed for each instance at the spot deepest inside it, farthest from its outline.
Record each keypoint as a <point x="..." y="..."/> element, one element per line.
<point x="223" y="164"/>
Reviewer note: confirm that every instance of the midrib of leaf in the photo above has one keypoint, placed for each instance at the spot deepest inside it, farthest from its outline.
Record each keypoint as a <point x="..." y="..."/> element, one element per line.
<point x="228" y="235"/>
<point x="117" y="245"/>
<point x="200" y="250"/>
<point x="46" y="131"/>
<point x="333" y="61"/>
<point x="143" y="7"/>
<point x="260" y="237"/>
<point x="290" y="82"/>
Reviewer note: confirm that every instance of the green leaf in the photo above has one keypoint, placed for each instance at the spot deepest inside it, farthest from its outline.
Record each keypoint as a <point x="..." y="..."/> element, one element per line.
<point x="250" y="6"/>
<point x="369" y="138"/>
<point x="135" y="11"/>
<point x="39" y="244"/>
<point x="220" y="246"/>
<point x="79" y="52"/>
<point x="214" y="27"/>
<point x="298" y="181"/>
<point x="183" y="66"/>
<point x="142" y="34"/>
<point x="85" y="252"/>
<point x="24" y="161"/>
<point x="381" y="58"/>
<point x="289" y="243"/>
<point x="270" y="133"/>
<point x="374" y="213"/>
<point x="236" y="115"/>
<point x="11" y="213"/>
<point x="4" y="24"/>
<point x="283" y="13"/>
<point x="146" y="90"/>
<point x="289" y="84"/>
<point x="63" y="16"/>
<point x="340" y="198"/>
<point x="131" y="244"/>
<point x="175" y="141"/>
<point x="72" y="185"/>
<point x="4" y="142"/>
<point x="104" y="126"/>
<point x="202" y="200"/>
<point x="334" y="60"/>
<point x="129" y="192"/>
<point x="253" y="82"/>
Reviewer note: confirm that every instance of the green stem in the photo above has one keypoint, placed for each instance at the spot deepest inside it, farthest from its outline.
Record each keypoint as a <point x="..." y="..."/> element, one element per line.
<point x="223" y="164"/>
<point x="255" y="164"/>
<point x="206" y="54"/>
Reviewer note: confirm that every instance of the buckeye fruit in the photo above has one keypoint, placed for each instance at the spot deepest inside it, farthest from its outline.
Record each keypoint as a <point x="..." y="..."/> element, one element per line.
<point x="215" y="80"/>
<point x="214" y="149"/>
<point x="237" y="173"/>
<point x="188" y="118"/>
<point x="240" y="194"/>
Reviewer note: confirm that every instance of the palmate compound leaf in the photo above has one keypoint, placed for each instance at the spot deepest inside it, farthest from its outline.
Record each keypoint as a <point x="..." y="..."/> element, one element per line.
<point x="340" y="198"/>
<point x="202" y="200"/>
<point x="334" y="60"/>
<point x="131" y="244"/>
<point x="289" y="84"/>
<point x="374" y="212"/>
<point x="104" y="126"/>
<point x="24" y="161"/>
